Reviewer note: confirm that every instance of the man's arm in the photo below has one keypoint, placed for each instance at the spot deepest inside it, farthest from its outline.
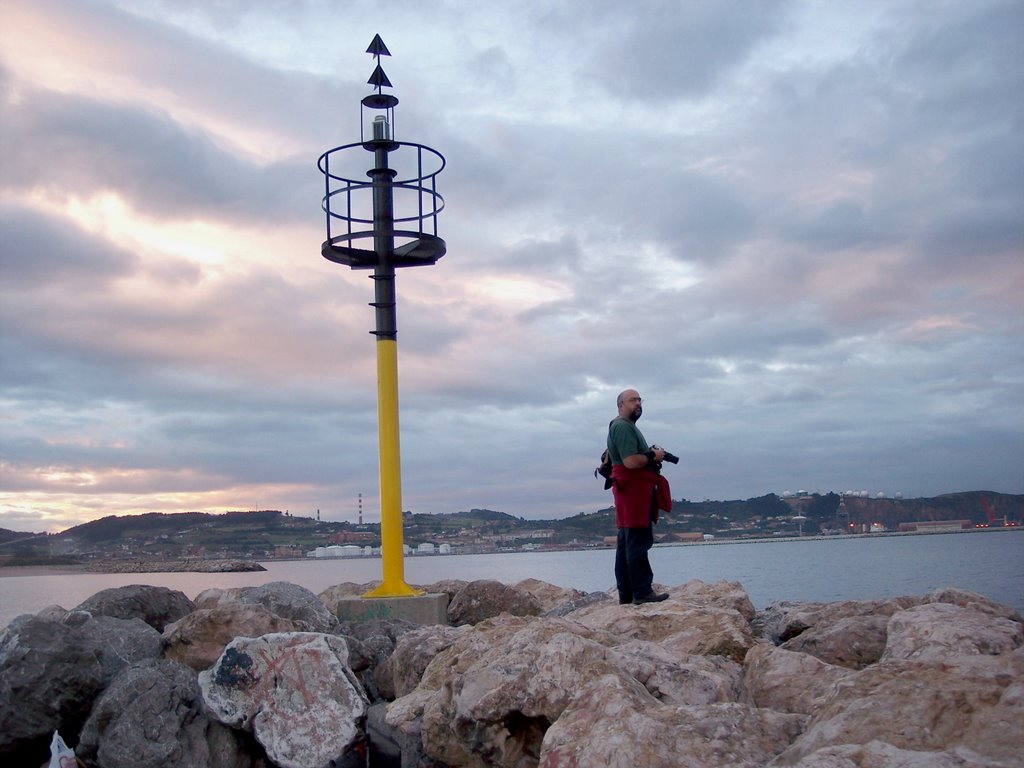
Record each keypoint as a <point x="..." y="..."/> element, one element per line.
<point x="640" y="460"/>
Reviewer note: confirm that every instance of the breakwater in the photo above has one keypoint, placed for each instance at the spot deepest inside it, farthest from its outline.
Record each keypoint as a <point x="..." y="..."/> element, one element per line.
<point x="525" y="674"/>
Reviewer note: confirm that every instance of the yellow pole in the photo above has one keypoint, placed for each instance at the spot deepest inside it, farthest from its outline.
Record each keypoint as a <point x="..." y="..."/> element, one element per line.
<point x="392" y="562"/>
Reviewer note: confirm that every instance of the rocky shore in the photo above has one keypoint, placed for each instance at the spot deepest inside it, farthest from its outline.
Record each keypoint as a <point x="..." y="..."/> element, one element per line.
<point x="522" y="675"/>
<point x="174" y="566"/>
<point x="134" y="566"/>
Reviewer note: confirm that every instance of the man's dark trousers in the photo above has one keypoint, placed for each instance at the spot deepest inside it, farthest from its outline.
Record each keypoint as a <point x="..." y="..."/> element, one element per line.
<point x="633" y="574"/>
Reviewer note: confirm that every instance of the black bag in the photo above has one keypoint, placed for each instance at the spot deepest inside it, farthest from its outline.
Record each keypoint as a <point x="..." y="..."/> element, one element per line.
<point x="605" y="470"/>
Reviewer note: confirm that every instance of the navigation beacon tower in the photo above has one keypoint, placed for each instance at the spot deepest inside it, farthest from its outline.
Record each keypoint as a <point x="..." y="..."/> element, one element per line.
<point x="403" y="230"/>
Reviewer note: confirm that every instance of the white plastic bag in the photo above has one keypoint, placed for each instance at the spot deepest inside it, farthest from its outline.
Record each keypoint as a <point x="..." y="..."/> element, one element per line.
<point x="61" y="755"/>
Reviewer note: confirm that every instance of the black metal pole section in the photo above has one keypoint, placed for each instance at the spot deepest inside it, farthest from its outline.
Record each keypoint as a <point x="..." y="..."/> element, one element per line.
<point x="383" y="241"/>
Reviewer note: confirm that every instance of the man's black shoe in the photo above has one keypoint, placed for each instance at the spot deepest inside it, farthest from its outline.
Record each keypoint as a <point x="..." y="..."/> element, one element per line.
<point x="652" y="597"/>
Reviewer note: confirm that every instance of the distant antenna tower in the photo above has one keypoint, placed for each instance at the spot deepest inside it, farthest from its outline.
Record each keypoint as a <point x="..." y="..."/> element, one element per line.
<point x="360" y="509"/>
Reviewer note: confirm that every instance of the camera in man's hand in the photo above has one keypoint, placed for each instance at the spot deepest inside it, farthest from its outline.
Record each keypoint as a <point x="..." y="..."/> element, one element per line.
<point x="669" y="457"/>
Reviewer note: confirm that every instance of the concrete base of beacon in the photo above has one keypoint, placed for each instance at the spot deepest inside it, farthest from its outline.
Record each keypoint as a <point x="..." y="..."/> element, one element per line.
<point x="419" y="609"/>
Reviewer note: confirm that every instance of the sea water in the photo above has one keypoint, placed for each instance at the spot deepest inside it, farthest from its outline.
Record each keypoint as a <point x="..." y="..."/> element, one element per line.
<point x="810" y="569"/>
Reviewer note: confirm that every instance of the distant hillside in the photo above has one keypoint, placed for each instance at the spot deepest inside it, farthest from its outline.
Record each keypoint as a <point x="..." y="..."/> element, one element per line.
<point x="7" y="536"/>
<point x="979" y="507"/>
<point x="113" y="528"/>
<point x="485" y="515"/>
<point x="266" y="534"/>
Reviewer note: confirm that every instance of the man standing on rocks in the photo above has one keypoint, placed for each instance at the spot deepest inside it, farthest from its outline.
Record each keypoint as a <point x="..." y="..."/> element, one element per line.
<point x="639" y="491"/>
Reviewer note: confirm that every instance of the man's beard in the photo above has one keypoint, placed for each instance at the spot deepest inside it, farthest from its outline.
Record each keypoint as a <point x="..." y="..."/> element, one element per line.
<point x="635" y="415"/>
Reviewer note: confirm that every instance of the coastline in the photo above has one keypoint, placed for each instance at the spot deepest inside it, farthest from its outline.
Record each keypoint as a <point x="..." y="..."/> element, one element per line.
<point x="240" y="565"/>
<point x="839" y="569"/>
<point x="831" y="537"/>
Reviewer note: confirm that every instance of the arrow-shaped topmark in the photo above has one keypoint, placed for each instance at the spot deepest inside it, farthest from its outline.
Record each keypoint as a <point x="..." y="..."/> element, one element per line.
<point x="378" y="78"/>
<point x="377" y="47"/>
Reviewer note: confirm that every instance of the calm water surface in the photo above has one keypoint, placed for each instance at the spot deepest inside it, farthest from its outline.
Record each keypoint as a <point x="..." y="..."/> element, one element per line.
<point x="990" y="563"/>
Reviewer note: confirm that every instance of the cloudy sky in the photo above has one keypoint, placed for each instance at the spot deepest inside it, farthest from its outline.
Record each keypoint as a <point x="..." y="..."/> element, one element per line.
<point x="796" y="227"/>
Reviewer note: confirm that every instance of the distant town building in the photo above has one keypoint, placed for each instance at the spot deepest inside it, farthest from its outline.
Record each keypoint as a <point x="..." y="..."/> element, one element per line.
<point x="345" y="537"/>
<point x="936" y="526"/>
<point x="336" y="551"/>
<point x="511" y="538"/>
<point x="689" y="536"/>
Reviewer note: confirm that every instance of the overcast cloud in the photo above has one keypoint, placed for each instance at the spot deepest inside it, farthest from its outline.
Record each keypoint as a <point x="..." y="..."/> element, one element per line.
<point x="796" y="227"/>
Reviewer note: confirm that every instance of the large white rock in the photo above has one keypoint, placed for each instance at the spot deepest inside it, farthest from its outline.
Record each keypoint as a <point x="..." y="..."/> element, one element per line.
<point x="486" y="598"/>
<point x="878" y="754"/>
<point x="295" y="692"/>
<point x="615" y="723"/>
<point x="198" y="639"/>
<point x="967" y="599"/>
<point x="682" y="625"/>
<point x="939" y="631"/>
<point x="720" y="594"/>
<point x="675" y="679"/>
<point x="495" y="710"/>
<point x="548" y="595"/>
<point x="970" y="703"/>
<point x="346" y="590"/>
<point x="489" y="698"/>
<point x="401" y="672"/>
<point x="787" y="681"/>
<point x="852" y="641"/>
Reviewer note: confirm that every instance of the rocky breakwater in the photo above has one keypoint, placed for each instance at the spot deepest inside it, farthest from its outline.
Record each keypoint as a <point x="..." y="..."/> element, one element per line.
<point x="524" y="675"/>
<point x="174" y="566"/>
